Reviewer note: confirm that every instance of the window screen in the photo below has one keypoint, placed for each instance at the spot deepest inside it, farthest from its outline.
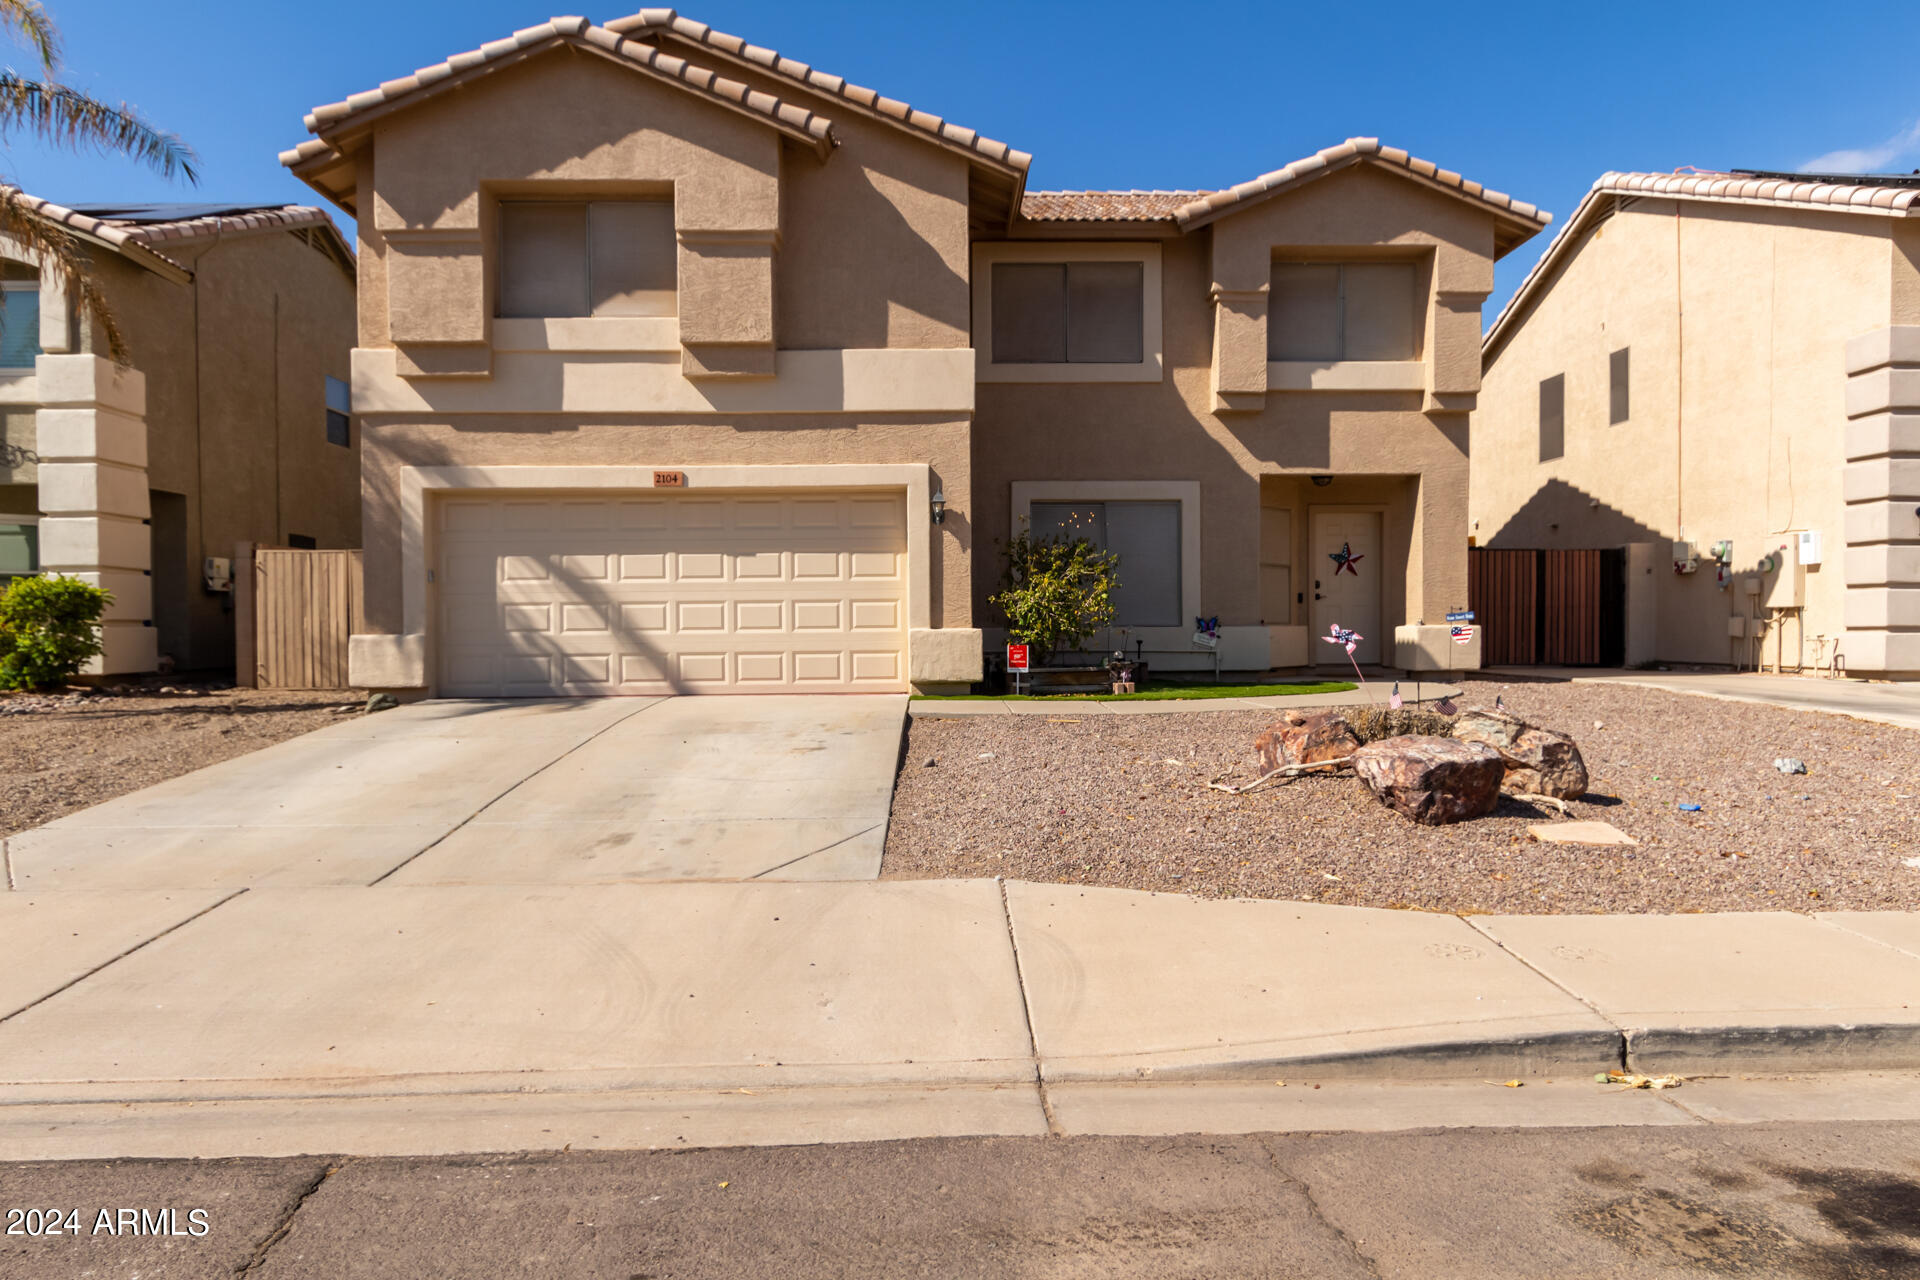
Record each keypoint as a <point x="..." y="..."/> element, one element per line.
<point x="1553" y="417"/>
<point x="1069" y="312"/>
<point x="1617" y="403"/>
<point x="19" y="326"/>
<point x="1146" y="537"/>
<point x="604" y="258"/>
<point x="339" y="413"/>
<point x="1322" y="311"/>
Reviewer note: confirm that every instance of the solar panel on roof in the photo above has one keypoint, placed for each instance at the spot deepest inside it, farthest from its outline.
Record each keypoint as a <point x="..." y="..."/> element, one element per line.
<point x="141" y="214"/>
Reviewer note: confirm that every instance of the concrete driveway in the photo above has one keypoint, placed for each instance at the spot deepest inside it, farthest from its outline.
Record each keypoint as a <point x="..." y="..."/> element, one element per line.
<point x="541" y="792"/>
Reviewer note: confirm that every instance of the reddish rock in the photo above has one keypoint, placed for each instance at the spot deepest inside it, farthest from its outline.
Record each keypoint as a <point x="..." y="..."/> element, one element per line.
<point x="1432" y="780"/>
<point x="1306" y="738"/>
<point x="1539" y="761"/>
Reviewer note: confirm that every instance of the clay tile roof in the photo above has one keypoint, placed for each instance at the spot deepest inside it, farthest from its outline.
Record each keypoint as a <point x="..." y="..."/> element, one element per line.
<point x="1891" y="196"/>
<point x="1353" y="150"/>
<point x="135" y="230"/>
<point x="1105" y="206"/>
<point x="790" y="118"/>
<point x="667" y="22"/>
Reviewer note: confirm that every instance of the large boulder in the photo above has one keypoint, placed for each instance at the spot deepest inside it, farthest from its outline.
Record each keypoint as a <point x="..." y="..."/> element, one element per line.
<point x="1432" y="780"/>
<point x="1539" y="761"/>
<point x="1306" y="738"/>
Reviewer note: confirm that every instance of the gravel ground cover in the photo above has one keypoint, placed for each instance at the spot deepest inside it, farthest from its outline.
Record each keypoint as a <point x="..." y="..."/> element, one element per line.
<point x="66" y="751"/>
<point x="1123" y="800"/>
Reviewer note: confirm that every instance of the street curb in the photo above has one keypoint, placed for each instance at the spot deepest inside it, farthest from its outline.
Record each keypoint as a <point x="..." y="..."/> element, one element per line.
<point x="1841" y="1047"/>
<point x="1570" y="1053"/>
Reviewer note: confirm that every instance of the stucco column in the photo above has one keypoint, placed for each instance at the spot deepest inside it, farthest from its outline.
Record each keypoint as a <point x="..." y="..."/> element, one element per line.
<point x="1882" y="487"/>
<point x="91" y="434"/>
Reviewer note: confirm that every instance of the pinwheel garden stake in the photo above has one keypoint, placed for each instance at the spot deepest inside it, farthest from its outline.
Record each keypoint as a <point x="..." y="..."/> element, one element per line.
<point x="1338" y="634"/>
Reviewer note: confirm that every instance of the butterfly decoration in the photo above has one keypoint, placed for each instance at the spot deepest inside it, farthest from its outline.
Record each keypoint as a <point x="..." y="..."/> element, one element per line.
<point x="1344" y="559"/>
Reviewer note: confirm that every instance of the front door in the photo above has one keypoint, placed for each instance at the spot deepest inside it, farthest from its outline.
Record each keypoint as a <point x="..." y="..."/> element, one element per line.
<point x="1345" y="567"/>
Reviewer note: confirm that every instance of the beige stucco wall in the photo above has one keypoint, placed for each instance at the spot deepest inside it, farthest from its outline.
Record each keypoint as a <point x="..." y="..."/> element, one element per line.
<point x="866" y="249"/>
<point x="1737" y="319"/>
<point x="1382" y="448"/>
<point x="235" y="364"/>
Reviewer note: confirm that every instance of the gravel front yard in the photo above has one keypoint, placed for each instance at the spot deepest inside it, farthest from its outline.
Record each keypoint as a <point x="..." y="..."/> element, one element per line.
<point x="59" y="752"/>
<point x="1122" y="800"/>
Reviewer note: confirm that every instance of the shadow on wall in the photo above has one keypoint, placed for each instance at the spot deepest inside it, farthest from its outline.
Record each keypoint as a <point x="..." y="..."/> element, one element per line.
<point x="1560" y="516"/>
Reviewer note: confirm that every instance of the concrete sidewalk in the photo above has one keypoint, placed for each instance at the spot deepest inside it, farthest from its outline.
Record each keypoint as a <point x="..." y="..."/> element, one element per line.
<point x="454" y="1018"/>
<point x="1885" y="702"/>
<point x="1374" y="692"/>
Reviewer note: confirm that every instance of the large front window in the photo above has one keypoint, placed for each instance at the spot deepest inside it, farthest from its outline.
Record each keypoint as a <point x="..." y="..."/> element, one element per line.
<point x="587" y="258"/>
<point x="1146" y="537"/>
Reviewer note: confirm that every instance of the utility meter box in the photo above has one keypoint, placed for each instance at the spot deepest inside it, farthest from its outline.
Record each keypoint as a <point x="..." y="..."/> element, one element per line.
<point x="1685" y="558"/>
<point x="218" y="571"/>
<point x="1810" y="547"/>
<point x="1787" y="588"/>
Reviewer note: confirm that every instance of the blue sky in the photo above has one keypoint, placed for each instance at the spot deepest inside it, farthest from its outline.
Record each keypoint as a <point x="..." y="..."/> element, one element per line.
<point x="1536" y="100"/>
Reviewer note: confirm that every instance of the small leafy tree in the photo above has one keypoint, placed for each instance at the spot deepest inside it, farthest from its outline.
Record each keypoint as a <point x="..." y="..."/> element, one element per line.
<point x="1055" y="591"/>
<point x="49" y="627"/>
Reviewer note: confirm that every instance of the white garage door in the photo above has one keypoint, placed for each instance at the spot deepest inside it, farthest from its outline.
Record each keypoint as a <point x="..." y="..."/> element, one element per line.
<point x="584" y="594"/>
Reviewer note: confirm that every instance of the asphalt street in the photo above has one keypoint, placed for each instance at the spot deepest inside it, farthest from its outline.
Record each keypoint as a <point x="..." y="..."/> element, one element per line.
<point x="1830" y="1201"/>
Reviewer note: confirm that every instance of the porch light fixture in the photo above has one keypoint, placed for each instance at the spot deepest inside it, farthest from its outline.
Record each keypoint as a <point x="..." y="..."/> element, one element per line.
<point x="1321" y="482"/>
<point x="939" y="505"/>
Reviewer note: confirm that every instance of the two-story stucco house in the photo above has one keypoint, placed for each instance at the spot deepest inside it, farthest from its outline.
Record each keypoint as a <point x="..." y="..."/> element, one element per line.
<point x="686" y="366"/>
<point x="1723" y="363"/>
<point x="228" y="423"/>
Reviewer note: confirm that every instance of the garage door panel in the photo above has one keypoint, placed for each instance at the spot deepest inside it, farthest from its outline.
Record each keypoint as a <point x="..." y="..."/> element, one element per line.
<point x="652" y="594"/>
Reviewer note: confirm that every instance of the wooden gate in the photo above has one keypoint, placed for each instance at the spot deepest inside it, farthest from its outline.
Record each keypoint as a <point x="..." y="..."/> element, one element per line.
<point x="1549" y="608"/>
<point x="305" y="606"/>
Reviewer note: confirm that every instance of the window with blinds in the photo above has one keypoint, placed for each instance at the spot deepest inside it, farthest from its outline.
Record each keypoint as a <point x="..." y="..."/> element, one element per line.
<point x="587" y="258"/>
<point x="19" y="325"/>
<point x="1331" y="311"/>
<point x="1146" y="538"/>
<point x="1068" y="312"/>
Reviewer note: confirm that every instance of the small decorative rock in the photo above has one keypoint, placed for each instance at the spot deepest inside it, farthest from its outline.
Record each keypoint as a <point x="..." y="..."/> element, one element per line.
<point x="1306" y="738"/>
<point x="1432" y="780"/>
<point x="381" y="702"/>
<point x="1790" y="764"/>
<point x="1539" y="761"/>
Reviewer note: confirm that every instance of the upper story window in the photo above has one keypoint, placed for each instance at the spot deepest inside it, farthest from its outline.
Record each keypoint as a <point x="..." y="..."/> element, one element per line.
<point x="1553" y="417"/>
<point x="1618" y="403"/>
<point x="19" y="324"/>
<point x="1333" y="311"/>
<point x="1068" y="312"/>
<point x="339" y="413"/>
<point x="587" y="258"/>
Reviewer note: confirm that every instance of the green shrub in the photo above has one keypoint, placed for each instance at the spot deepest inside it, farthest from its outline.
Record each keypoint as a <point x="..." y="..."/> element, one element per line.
<point x="49" y="627"/>
<point x="1055" y="592"/>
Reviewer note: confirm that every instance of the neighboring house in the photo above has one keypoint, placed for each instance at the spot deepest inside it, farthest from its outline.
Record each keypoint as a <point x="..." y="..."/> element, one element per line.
<point x="1722" y="358"/>
<point x="229" y="424"/>
<point x="686" y="366"/>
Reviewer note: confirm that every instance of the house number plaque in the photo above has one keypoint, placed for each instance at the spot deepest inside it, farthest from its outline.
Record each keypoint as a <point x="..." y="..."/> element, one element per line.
<point x="669" y="479"/>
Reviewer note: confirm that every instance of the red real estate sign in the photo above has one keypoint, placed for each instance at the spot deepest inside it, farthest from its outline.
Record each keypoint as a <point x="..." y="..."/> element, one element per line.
<point x="1016" y="657"/>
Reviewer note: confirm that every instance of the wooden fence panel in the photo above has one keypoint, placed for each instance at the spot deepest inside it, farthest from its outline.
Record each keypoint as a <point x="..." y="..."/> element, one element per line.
<point x="1570" y="591"/>
<point x="1503" y="592"/>
<point x="306" y="606"/>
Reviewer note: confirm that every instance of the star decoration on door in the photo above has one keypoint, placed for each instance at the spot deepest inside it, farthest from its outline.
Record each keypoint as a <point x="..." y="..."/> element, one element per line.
<point x="1345" y="559"/>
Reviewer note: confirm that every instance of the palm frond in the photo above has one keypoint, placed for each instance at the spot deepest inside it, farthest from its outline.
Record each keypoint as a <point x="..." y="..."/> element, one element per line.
<point x="68" y="117"/>
<point x="27" y="20"/>
<point x="61" y="254"/>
